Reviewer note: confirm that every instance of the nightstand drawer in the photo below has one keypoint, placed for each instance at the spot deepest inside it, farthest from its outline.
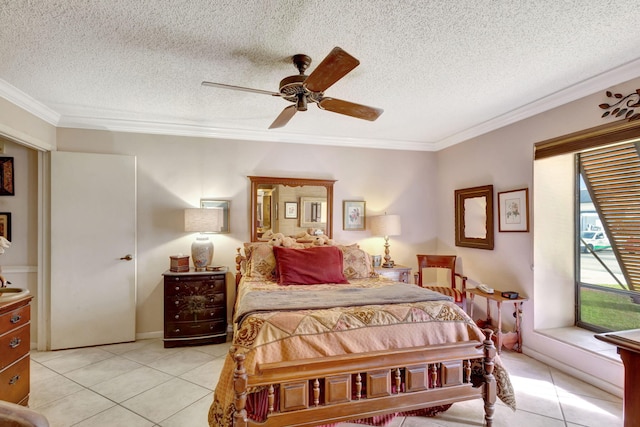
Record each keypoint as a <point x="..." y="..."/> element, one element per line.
<point x="193" y="329"/>
<point x="203" y="315"/>
<point x="181" y="286"/>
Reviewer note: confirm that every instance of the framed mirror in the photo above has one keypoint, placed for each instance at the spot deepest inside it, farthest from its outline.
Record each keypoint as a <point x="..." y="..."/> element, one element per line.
<point x="474" y="217"/>
<point x="271" y="195"/>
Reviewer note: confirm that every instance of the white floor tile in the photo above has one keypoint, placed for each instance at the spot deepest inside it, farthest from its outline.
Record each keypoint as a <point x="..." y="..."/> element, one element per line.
<point x="102" y="371"/>
<point x="126" y="386"/>
<point x="115" y="416"/>
<point x="74" y="408"/>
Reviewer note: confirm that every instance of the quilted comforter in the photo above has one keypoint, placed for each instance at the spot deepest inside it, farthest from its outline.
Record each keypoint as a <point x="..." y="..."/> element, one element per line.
<point x="329" y="326"/>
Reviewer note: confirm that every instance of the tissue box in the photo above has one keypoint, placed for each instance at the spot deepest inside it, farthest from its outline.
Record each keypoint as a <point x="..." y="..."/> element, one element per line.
<point x="179" y="263"/>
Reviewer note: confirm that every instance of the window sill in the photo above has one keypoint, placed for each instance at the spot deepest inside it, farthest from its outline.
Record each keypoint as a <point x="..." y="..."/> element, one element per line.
<point x="583" y="339"/>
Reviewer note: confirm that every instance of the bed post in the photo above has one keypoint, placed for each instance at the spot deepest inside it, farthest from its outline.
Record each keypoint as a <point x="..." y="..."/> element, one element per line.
<point x="239" y="259"/>
<point x="489" y="380"/>
<point x="240" y="387"/>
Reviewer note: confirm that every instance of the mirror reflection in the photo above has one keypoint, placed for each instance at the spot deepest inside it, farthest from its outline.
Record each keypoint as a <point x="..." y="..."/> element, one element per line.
<point x="313" y="199"/>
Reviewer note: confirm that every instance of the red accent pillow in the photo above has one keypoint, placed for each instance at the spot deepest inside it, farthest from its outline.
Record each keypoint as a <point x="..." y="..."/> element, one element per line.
<point x="309" y="266"/>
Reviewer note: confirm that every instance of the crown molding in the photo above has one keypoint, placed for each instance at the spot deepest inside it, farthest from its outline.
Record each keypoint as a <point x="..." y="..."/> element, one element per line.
<point x="587" y="87"/>
<point x="27" y="103"/>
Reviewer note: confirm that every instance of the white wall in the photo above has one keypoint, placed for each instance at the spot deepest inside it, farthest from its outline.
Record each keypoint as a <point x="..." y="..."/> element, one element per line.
<point x="176" y="172"/>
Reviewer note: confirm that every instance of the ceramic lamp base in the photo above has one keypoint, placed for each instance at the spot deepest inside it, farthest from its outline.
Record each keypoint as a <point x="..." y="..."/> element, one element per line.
<point x="202" y="253"/>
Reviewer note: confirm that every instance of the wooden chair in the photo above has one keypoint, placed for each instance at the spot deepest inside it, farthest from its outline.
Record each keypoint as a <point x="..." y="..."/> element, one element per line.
<point x="451" y="289"/>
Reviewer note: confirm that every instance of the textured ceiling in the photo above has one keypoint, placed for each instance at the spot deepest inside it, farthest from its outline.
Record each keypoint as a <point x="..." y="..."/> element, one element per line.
<point x="443" y="71"/>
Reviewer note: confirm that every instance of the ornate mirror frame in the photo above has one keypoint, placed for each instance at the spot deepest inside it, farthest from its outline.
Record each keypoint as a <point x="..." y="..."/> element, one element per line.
<point x="474" y="217"/>
<point x="257" y="181"/>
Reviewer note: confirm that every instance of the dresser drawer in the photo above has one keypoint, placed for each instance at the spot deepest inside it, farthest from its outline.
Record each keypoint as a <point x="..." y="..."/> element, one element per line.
<point x="14" y="381"/>
<point x="14" y="345"/>
<point x="185" y="286"/>
<point x="207" y="314"/>
<point x="192" y="329"/>
<point x="14" y="318"/>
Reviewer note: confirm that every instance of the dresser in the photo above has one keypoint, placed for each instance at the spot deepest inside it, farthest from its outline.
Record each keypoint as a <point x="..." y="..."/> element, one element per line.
<point x="195" y="307"/>
<point x="399" y="273"/>
<point x="15" y="317"/>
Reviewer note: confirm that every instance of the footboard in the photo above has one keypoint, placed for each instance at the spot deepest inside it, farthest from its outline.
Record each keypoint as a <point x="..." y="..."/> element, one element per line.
<point x="342" y="388"/>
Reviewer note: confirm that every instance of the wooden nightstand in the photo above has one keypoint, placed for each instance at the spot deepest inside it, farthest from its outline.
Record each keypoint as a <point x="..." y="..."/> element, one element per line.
<point x="15" y="341"/>
<point x="399" y="273"/>
<point x="195" y="307"/>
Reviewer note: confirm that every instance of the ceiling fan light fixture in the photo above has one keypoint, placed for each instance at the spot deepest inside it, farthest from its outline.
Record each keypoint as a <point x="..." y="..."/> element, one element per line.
<point x="301" y="104"/>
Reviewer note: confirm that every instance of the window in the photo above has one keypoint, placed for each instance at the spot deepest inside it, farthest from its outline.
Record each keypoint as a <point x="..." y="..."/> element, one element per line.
<point x="607" y="230"/>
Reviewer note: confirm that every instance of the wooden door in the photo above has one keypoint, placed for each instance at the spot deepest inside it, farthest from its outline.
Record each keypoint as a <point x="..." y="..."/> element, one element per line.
<point x="93" y="248"/>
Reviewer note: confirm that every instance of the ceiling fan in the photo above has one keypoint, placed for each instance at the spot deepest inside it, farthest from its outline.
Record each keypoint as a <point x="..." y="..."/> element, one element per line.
<point x="302" y="89"/>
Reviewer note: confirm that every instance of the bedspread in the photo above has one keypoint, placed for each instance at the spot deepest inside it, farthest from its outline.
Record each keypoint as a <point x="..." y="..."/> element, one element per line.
<point x="274" y="336"/>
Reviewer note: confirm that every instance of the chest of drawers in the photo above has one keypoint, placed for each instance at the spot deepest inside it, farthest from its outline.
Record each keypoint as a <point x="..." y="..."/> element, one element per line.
<point x="15" y="340"/>
<point x="195" y="308"/>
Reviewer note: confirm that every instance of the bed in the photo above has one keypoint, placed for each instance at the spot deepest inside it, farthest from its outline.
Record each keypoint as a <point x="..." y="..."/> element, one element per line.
<point x="320" y="339"/>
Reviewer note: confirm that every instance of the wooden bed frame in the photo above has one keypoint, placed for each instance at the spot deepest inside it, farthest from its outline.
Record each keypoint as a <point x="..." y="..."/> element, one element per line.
<point x="348" y="387"/>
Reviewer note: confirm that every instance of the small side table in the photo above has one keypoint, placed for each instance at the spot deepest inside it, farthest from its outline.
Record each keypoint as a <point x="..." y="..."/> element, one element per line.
<point x="499" y="299"/>
<point x="399" y="273"/>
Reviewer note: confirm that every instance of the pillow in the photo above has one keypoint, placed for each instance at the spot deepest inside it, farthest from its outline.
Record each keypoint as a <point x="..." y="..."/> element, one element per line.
<point x="310" y="266"/>
<point x="261" y="263"/>
<point x="357" y="263"/>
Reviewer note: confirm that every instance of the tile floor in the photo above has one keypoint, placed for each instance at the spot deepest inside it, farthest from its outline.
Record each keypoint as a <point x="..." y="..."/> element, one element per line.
<point x="143" y="384"/>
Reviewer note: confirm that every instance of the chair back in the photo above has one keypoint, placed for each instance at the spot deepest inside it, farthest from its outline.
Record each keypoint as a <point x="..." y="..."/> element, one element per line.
<point x="437" y="261"/>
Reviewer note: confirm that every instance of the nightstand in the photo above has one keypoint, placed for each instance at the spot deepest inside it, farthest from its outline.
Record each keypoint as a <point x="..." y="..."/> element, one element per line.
<point x="195" y="307"/>
<point x="398" y="273"/>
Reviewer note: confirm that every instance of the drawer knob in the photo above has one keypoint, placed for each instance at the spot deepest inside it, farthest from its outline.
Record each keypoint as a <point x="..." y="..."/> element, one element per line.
<point x="14" y="379"/>
<point x="177" y="316"/>
<point x="177" y="288"/>
<point x="15" y="318"/>
<point x="177" y="330"/>
<point x="15" y="342"/>
<point x="176" y="302"/>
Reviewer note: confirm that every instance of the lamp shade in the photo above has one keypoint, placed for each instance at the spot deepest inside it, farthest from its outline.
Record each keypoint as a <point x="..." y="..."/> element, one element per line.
<point x="386" y="225"/>
<point x="203" y="220"/>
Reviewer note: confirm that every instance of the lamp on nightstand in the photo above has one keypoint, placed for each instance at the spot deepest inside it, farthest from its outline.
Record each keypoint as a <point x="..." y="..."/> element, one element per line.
<point x="203" y="220"/>
<point x="386" y="225"/>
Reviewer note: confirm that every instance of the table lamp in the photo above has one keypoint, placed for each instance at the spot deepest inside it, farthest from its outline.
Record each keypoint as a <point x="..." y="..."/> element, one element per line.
<point x="386" y="225"/>
<point x="202" y="220"/>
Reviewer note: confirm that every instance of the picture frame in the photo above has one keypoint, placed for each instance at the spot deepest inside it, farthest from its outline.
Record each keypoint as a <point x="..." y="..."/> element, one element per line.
<point x="291" y="210"/>
<point x="353" y="215"/>
<point x="474" y="217"/>
<point x="6" y="177"/>
<point x="513" y="210"/>
<point x="5" y="225"/>
<point x="224" y="205"/>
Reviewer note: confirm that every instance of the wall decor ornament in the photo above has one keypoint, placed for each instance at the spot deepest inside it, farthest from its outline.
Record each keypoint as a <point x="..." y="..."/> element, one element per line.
<point x="291" y="210"/>
<point x="513" y="210"/>
<point x="622" y="105"/>
<point x="5" y="226"/>
<point x="6" y="176"/>
<point x="353" y="215"/>
<point x="474" y="217"/>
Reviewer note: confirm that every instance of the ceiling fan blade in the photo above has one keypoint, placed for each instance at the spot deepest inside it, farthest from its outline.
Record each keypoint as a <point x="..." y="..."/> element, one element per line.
<point x="284" y="117"/>
<point x="244" y="89"/>
<point x="350" y="109"/>
<point x="332" y="68"/>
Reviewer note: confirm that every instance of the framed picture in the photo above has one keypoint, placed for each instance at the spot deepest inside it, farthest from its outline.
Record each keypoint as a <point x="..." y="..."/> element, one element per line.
<point x="513" y="210"/>
<point x="290" y="210"/>
<point x="223" y="206"/>
<point x="6" y="176"/>
<point x="474" y="217"/>
<point x="353" y="215"/>
<point x="5" y="225"/>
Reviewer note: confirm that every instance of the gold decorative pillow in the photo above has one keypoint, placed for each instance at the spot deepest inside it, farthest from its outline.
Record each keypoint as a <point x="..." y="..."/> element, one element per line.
<point x="357" y="263"/>
<point x="261" y="262"/>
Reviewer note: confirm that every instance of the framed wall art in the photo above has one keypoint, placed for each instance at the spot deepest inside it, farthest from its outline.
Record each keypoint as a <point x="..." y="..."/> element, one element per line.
<point x="223" y="205"/>
<point x="290" y="210"/>
<point x="513" y="210"/>
<point x="5" y="225"/>
<point x="474" y="217"/>
<point x="353" y="215"/>
<point x="6" y="176"/>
